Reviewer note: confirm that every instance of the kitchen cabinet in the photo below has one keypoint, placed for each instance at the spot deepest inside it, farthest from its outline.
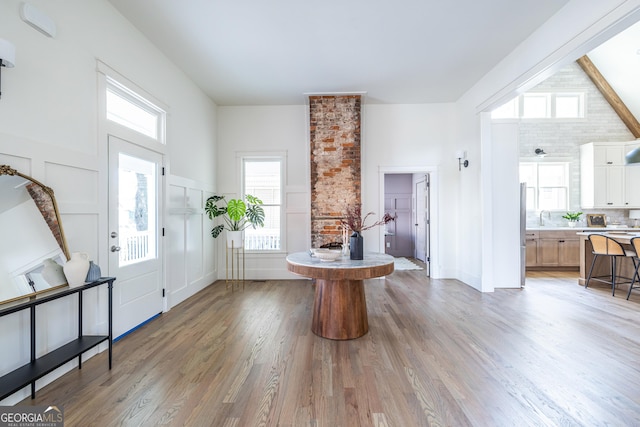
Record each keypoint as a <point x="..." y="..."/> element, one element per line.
<point x="605" y="180"/>
<point x="553" y="249"/>
<point x="602" y="175"/>
<point x="632" y="185"/>
<point x="608" y="155"/>
<point x="531" y="248"/>
<point x="608" y="187"/>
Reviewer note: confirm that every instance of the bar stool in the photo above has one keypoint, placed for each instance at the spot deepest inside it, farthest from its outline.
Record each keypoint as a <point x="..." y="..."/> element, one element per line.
<point x="606" y="246"/>
<point x="635" y="243"/>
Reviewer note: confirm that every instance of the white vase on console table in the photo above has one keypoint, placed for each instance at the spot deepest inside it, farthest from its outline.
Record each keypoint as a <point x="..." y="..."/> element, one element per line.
<point x="76" y="269"/>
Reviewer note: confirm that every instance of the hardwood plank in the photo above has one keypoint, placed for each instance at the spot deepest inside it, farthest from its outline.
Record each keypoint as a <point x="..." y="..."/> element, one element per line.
<point x="437" y="353"/>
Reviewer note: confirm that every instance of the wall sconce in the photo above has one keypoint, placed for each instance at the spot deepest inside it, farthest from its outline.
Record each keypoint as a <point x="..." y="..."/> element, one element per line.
<point x="540" y="152"/>
<point x="7" y="57"/>
<point x="460" y="154"/>
<point x="632" y="156"/>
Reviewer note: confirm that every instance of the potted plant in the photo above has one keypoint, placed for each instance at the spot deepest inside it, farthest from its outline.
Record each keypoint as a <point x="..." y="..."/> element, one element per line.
<point x="238" y="215"/>
<point x="356" y="223"/>
<point x="572" y="217"/>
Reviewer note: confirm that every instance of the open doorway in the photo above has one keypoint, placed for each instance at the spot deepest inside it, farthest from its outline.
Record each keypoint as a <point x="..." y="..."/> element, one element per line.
<point x="406" y="197"/>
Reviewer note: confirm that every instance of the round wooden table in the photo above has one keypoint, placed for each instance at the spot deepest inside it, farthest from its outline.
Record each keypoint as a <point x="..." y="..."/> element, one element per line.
<point x="340" y="306"/>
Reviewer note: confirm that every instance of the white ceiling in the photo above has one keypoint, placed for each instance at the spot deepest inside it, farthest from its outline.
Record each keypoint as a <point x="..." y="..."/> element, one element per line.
<point x="256" y="52"/>
<point x="618" y="60"/>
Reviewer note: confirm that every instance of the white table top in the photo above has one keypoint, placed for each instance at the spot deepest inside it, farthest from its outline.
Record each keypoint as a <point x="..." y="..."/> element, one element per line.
<point x="371" y="259"/>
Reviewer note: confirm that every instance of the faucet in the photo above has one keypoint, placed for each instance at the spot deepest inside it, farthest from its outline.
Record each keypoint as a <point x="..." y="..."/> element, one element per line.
<point x="541" y="219"/>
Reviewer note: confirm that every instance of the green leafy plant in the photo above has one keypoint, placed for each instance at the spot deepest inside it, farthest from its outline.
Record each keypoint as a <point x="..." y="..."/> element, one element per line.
<point x="572" y="216"/>
<point x="237" y="214"/>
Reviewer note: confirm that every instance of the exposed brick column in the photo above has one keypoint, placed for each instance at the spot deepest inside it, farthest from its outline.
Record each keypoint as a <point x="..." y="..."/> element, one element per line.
<point x="335" y="163"/>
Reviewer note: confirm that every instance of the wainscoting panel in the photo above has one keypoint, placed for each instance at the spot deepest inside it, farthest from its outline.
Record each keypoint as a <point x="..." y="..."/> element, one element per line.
<point x="189" y="246"/>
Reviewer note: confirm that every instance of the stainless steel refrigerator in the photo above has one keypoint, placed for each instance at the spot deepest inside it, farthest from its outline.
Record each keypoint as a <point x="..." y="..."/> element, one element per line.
<point x="523" y="228"/>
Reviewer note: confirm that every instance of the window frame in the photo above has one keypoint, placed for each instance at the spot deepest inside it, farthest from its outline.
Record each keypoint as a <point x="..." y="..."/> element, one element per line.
<point x="280" y="157"/>
<point x="551" y="101"/>
<point x="567" y="175"/>
<point x="140" y="102"/>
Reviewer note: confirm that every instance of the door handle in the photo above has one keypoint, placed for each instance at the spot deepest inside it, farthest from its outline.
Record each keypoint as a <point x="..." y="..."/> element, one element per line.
<point x="115" y="248"/>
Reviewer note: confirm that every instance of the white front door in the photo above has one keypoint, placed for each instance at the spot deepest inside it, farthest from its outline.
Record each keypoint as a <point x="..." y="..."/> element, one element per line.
<point x="134" y="247"/>
<point x="422" y="220"/>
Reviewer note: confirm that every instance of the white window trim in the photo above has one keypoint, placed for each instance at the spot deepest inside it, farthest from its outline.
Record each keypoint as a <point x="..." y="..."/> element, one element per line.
<point x="112" y="76"/>
<point x="551" y="107"/>
<point x="567" y="166"/>
<point x="281" y="156"/>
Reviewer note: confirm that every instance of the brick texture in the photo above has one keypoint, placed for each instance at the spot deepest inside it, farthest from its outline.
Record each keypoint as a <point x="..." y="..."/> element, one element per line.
<point x="335" y="163"/>
<point x="44" y="201"/>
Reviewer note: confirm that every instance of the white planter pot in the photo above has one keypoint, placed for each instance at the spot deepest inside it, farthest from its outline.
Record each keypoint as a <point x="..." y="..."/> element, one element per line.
<point x="235" y="239"/>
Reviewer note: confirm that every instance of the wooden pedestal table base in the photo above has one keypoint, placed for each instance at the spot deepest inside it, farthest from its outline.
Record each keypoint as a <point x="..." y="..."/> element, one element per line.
<point x="340" y="306"/>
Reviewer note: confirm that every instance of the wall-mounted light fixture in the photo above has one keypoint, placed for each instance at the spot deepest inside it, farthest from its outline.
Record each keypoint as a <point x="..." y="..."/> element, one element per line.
<point x="460" y="155"/>
<point x="7" y="56"/>
<point x="632" y="156"/>
<point x="540" y="152"/>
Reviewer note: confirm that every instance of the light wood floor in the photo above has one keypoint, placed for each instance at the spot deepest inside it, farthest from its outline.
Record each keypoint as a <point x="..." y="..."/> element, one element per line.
<point x="437" y="353"/>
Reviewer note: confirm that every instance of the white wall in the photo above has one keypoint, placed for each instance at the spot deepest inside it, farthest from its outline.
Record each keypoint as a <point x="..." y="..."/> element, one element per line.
<point x="268" y="130"/>
<point x="577" y="28"/>
<point x="49" y="130"/>
<point x="415" y="137"/>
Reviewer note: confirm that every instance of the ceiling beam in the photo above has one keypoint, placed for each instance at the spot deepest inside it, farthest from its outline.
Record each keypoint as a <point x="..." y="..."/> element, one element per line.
<point x="610" y="95"/>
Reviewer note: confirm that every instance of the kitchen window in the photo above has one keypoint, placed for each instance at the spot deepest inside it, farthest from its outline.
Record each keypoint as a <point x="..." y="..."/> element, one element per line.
<point x="547" y="185"/>
<point x="263" y="178"/>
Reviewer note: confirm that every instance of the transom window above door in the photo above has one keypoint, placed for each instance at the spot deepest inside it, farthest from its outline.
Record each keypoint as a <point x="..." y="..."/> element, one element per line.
<point x="129" y="109"/>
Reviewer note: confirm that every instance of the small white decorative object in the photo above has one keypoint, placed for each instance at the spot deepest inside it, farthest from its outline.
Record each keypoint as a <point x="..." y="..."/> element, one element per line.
<point x="327" y="255"/>
<point x="53" y="273"/>
<point x="76" y="269"/>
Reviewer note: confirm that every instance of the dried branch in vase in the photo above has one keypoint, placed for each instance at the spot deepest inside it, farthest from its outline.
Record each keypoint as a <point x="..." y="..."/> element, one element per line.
<point x="354" y="220"/>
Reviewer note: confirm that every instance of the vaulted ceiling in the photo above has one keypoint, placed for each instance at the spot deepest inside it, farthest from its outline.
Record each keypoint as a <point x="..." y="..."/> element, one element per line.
<point x="618" y="60"/>
<point x="255" y="52"/>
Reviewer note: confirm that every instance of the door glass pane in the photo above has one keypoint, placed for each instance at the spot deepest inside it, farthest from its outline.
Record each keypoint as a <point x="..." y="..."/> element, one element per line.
<point x="137" y="209"/>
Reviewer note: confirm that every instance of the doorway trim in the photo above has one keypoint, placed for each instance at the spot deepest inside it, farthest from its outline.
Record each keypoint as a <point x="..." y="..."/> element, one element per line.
<point x="434" y="237"/>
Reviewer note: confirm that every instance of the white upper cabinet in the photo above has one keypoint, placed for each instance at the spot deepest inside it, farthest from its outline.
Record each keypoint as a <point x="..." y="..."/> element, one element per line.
<point x="605" y="181"/>
<point x="608" y="155"/>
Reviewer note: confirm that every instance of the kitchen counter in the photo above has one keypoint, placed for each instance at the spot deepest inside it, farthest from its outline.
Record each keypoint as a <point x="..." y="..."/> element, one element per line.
<point x="602" y="266"/>
<point x="579" y="229"/>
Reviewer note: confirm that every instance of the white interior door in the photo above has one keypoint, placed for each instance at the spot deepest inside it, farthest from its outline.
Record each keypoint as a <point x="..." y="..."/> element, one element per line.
<point x="134" y="248"/>
<point x="422" y="220"/>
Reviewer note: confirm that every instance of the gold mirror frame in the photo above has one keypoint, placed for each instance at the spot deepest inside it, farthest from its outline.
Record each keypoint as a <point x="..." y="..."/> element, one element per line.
<point x="45" y="201"/>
